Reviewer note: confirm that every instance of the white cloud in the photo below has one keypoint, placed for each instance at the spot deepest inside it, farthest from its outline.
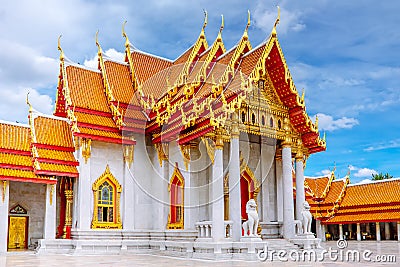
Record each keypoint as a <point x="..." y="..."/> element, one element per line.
<point x="386" y="145"/>
<point x="324" y="173"/>
<point x="328" y="123"/>
<point x="265" y="16"/>
<point x="111" y="53"/>
<point x="16" y="109"/>
<point x="362" y="172"/>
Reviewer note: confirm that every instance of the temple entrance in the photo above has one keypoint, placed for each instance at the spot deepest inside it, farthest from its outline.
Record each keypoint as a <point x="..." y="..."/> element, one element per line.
<point x="17" y="232"/>
<point x="246" y="192"/>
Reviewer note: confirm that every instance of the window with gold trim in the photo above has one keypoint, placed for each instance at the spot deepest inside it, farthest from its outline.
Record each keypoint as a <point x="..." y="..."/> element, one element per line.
<point x="176" y="211"/>
<point x="107" y="191"/>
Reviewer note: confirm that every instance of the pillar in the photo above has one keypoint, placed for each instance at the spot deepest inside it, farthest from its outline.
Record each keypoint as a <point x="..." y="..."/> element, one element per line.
<point x="50" y="213"/>
<point x="84" y="187"/>
<point x="300" y="194"/>
<point x="398" y="231"/>
<point x="234" y="186"/>
<point x="341" y="231"/>
<point x="320" y="229"/>
<point x="288" y="206"/>
<point x="128" y="199"/>
<point x="217" y="189"/>
<point x="387" y="231"/>
<point x="4" y="202"/>
<point x="268" y="181"/>
<point x="69" y="196"/>
<point x="378" y="231"/>
<point x="279" y="187"/>
<point x="358" y="232"/>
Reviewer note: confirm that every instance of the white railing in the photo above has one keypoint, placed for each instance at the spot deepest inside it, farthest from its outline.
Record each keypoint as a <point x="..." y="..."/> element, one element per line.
<point x="204" y="229"/>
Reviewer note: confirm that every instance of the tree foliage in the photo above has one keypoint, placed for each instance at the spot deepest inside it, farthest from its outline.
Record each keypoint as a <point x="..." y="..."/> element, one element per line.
<point x="381" y="176"/>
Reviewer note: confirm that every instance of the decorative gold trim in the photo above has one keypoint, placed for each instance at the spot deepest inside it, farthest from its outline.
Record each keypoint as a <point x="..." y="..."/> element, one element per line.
<point x="129" y="151"/>
<point x="86" y="148"/>
<point x="107" y="176"/>
<point x="185" y="150"/>
<point x="162" y="152"/>
<point x="180" y="223"/>
<point x="51" y="194"/>
<point x="4" y="190"/>
<point x="210" y="147"/>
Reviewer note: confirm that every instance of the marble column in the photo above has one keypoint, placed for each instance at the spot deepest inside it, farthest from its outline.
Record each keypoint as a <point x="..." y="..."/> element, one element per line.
<point x="288" y="206"/>
<point x="320" y="230"/>
<point x="358" y="232"/>
<point x="234" y="187"/>
<point x="387" y="231"/>
<point x="341" y="236"/>
<point x="4" y="202"/>
<point x="378" y="231"/>
<point x="84" y="202"/>
<point x="49" y="227"/>
<point x="300" y="194"/>
<point x="398" y="231"/>
<point x="279" y="187"/>
<point x="268" y="181"/>
<point x="217" y="195"/>
<point x="128" y="220"/>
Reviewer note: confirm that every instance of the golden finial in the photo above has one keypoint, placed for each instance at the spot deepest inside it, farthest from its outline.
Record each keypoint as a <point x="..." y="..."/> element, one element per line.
<point x="248" y="20"/>
<point x="316" y="121"/>
<point x="222" y="23"/>
<point x="276" y="22"/>
<point x="324" y="137"/>
<point x="205" y="19"/>
<point x="303" y="93"/>
<point x="124" y="34"/>
<point x="28" y="103"/>
<point x="59" y="48"/>
<point x="97" y="43"/>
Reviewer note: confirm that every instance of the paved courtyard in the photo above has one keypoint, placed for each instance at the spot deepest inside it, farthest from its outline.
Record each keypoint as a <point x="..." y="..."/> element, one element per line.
<point x="371" y="253"/>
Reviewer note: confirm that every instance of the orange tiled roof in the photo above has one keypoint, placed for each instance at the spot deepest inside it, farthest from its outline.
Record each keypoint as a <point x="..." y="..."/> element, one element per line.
<point x="86" y="89"/>
<point x="59" y="168"/>
<point x="56" y="155"/>
<point x="14" y="137"/>
<point x="25" y="176"/>
<point x="53" y="132"/>
<point x="95" y="119"/>
<point x="120" y="81"/>
<point x="375" y="216"/>
<point x="15" y="159"/>
<point x="317" y="185"/>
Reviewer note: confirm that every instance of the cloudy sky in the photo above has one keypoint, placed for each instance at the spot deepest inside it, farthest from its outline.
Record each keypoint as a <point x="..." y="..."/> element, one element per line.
<point x="345" y="55"/>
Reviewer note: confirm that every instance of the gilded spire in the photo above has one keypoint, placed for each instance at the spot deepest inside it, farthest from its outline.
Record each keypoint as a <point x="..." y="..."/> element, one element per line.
<point x="28" y="103"/>
<point x="60" y="49"/>
<point x="276" y="22"/>
<point x="97" y="43"/>
<point x="248" y="21"/>
<point x="205" y="19"/>
<point x="222" y="23"/>
<point x="127" y="43"/>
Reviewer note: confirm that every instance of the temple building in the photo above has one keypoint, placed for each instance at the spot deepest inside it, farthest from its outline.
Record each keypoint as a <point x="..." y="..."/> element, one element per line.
<point x="161" y="154"/>
<point x="364" y="211"/>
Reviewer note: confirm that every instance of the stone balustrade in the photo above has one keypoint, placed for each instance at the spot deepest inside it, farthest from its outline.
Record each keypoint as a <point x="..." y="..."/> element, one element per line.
<point x="204" y="229"/>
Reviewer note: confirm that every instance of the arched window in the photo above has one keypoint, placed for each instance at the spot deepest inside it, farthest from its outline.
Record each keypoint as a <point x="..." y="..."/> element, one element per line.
<point x="279" y="124"/>
<point x="271" y="122"/>
<point x="243" y="116"/>
<point x="176" y="212"/>
<point x="263" y="120"/>
<point x="106" y="190"/>
<point x="253" y="118"/>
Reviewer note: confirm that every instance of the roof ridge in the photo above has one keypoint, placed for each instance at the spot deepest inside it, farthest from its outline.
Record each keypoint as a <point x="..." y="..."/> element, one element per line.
<point x="257" y="47"/>
<point x="74" y="64"/>
<point x="375" y="182"/>
<point x="107" y="58"/>
<point x="40" y="114"/>
<point x="190" y="47"/>
<point x="152" y="55"/>
<point x="14" y="123"/>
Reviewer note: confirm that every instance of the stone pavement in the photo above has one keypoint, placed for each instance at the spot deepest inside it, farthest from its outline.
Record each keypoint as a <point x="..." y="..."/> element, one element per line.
<point x="370" y="253"/>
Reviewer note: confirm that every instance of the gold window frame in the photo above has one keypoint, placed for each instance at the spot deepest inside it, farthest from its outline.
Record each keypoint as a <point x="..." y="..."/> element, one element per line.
<point x="180" y="224"/>
<point x="107" y="176"/>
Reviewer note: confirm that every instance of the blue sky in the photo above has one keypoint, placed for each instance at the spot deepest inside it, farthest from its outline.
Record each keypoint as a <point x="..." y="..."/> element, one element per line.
<point x="345" y="55"/>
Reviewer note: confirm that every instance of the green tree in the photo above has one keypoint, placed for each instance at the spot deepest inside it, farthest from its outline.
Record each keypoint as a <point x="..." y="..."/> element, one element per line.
<point x="381" y="176"/>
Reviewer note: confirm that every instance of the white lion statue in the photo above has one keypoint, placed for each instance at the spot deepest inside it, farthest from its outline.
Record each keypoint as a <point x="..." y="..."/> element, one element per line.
<point x="250" y="226"/>
<point x="306" y="218"/>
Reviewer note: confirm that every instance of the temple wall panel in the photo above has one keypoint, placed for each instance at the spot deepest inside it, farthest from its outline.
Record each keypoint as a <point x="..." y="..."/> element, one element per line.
<point x="32" y="197"/>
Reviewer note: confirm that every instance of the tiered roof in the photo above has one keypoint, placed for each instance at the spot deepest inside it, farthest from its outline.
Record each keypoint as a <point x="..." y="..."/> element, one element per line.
<point x="336" y="201"/>
<point x="178" y="99"/>
<point x="37" y="152"/>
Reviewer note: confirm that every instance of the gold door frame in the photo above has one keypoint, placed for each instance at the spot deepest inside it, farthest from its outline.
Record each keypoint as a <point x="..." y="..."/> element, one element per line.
<point x="25" y="231"/>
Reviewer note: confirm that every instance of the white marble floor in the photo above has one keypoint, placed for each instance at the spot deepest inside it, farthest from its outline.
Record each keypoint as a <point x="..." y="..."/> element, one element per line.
<point x="370" y="253"/>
